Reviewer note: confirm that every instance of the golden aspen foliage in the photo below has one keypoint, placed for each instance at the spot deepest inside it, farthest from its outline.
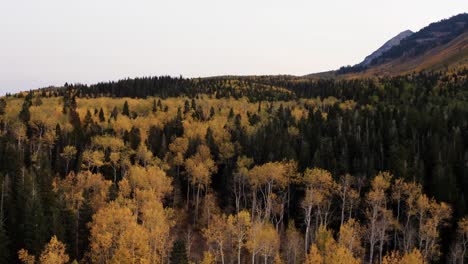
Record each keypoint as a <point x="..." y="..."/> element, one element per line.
<point x="144" y="155"/>
<point x="132" y="246"/>
<point x="92" y="159"/>
<point x="412" y="257"/>
<point x="240" y="227"/>
<point x="76" y="188"/>
<point x="350" y="237"/>
<point x="320" y="188"/>
<point x="179" y="147"/>
<point x="68" y="154"/>
<point x="54" y="253"/>
<point x="208" y="258"/>
<point x="151" y="181"/>
<point x="341" y="255"/>
<point x="158" y="222"/>
<point x="200" y="166"/>
<point x="293" y="246"/>
<point x="217" y="235"/>
<point x="264" y="241"/>
<point x="108" y="226"/>
<point x="314" y="257"/>
<point x="108" y="142"/>
<point x="25" y="257"/>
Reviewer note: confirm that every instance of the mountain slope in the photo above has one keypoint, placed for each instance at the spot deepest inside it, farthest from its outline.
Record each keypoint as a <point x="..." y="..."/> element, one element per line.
<point x="433" y="36"/>
<point x="387" y="46"/>
<point x="445" y="57"/>
<point x="439" y="46"/>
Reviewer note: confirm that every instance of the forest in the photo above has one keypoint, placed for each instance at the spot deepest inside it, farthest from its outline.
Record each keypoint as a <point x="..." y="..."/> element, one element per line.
<point x="254" y="169"/>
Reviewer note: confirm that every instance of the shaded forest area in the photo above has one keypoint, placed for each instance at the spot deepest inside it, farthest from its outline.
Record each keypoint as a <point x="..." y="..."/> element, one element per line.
<point x="272" y="169"/>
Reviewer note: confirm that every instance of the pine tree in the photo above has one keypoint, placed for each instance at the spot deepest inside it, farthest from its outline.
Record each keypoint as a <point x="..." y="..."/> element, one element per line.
<point x="126" y="110"/>
<point x="4" y="244"/>
<point x="101" y="115"/>
<point x="24" y="114"/>
<point x="2" y="106"/>
<point x="155" y="108"/>
<point x="179" y="253"/>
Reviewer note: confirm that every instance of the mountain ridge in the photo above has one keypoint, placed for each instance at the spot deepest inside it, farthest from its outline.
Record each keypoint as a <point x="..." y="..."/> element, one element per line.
<point x="386" y="46"/>
<point x="440" y="45"/>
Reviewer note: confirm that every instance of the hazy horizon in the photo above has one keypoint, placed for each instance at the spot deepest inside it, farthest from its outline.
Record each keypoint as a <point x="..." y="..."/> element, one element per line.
<point x="52" y="42"/>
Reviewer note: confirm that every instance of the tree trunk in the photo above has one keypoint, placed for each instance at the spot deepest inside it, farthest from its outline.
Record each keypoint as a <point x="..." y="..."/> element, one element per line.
<point x="196" y="203"/>
<point x="77" y="229"/>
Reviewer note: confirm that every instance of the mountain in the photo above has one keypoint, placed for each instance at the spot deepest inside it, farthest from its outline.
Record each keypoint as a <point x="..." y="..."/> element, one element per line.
<point x="441" y="45"/>
<point x="432" y="36"/>
<point x="387" y="46"/>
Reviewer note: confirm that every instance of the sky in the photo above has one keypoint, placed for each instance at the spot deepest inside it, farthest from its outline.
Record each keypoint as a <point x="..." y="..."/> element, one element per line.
<point x="50" y="42"/>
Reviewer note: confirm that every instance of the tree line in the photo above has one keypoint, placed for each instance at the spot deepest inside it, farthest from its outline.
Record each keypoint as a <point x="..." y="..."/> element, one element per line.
<point x="270" y="169"/>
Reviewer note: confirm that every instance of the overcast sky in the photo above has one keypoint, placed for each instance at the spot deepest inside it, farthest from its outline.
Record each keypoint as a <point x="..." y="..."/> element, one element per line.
<point x="49" y="42"/>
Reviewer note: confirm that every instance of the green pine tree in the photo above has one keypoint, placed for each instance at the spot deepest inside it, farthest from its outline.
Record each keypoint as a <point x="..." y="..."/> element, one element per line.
<point x="179" y="253"/>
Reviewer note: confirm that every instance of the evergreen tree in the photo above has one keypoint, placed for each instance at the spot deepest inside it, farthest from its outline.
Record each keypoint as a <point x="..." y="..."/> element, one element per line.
<point x="179" y="253"/>
<point x="155" y="108"/>
<point x="126" y="110"/>
<point x="2" y="106"/>
<point x="101" y="115"/>
<point x="24" y="114"/>
<point x="134" y="138"/>
<point x="4" y="244"/>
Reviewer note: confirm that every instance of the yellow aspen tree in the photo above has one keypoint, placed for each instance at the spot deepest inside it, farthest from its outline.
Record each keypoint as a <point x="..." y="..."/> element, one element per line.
<point x="240" y="180"/>
<point x="314" y="257"/>
<point x="106" y="228"/>
<point x="350" y="237"/>
<point x="19" y="132"/>
<point x="397" y="196"/>
<point x="208" y="258"/>
<point x="462" y="231"/>
<point x="320" y="188"/>
<point x="68" y="154"/>
<point x="132" y="246"/>
<point x="293" y="245"/>
<point x="269" y="242"/>
<point x="342" y="255"/>
<point x="178" y="148"/>
<point x="345" y="188"/>
<point x="263" y="241"/>
<point x="25" y="257"/>
<point x="412" y="191"/>
<point x="412" y="257"/>
<point x="200" y="167"/>
<point x="144" y="155"/>
<point x="376" y="200"/>
<point x="392" y="257"/>
<point x="54" y="253"/>
<point x="434" y="217"/>
<point x="240" y="226"/>
<point x="383" y="224"/>
<point x="277" y="259"/>
<point x="151" y="179"/>
<point x="217" y="235"/>
<point x="93" y="159"/>
<point x="267" y="178"/>
<point x="78" y="188"/>
<point x="325" y="242"/>
<point x="158" y="222"/>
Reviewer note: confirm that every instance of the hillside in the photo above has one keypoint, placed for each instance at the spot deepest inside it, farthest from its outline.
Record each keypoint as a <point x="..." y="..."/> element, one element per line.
<point x="439" y="46"/>
<point x="387" y="46"/>
<point x="264" y="169"/>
